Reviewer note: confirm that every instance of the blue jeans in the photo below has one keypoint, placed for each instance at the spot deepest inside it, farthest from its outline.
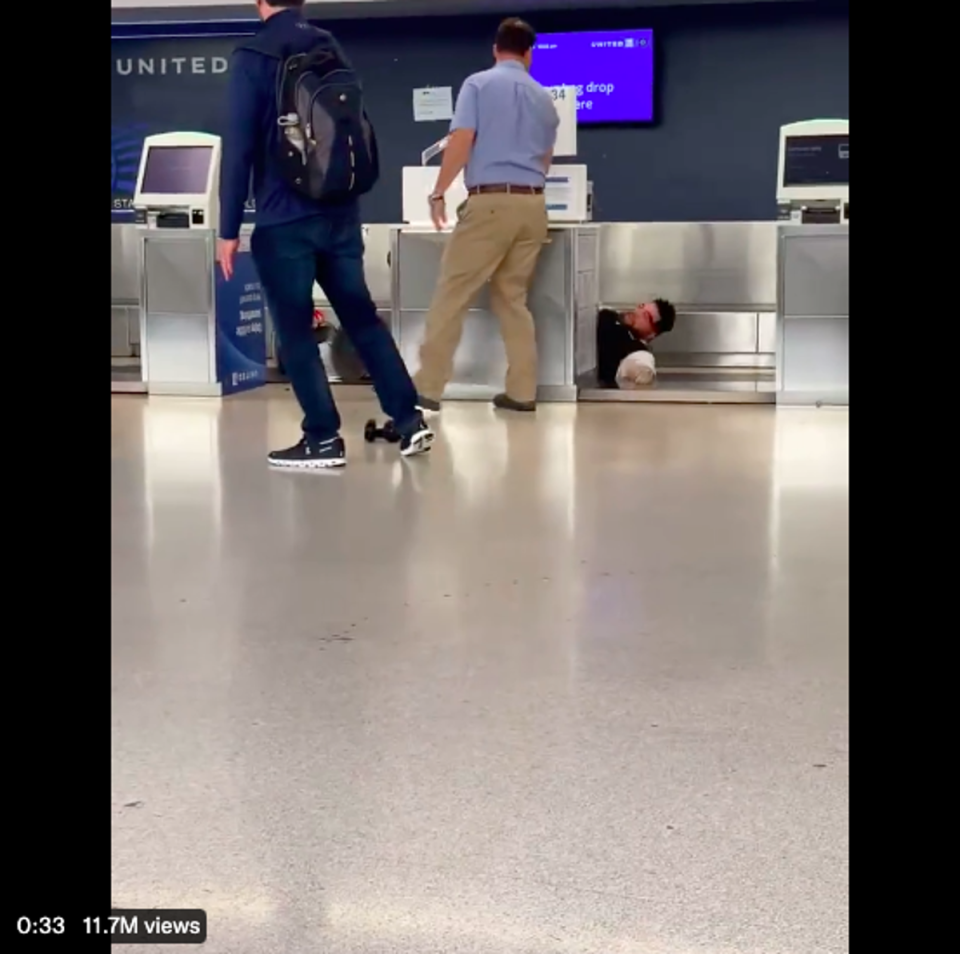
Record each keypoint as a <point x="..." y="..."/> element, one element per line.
<point x="328" y="248"/>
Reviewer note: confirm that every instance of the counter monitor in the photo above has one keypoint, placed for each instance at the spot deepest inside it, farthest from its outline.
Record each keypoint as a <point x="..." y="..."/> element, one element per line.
<point x="816" y="160"/>
<point x="177" y="170"/>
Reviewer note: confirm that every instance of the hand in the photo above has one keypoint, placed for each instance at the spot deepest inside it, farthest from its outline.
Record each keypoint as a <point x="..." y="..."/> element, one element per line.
<point x="438" y="212"/>
<point x="226" y="252"/>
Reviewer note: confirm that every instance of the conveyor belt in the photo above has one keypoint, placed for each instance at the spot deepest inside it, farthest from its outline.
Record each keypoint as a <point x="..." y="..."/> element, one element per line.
<point x="276" y="376"/>
<point x="679" y="387"/>
<point x="674" y="385"/>
<point x="692" y="386"/>
<point x="125" y="376"/>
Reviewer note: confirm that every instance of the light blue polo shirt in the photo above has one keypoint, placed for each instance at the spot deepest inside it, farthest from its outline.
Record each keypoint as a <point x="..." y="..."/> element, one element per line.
<point x="515" y="123"/>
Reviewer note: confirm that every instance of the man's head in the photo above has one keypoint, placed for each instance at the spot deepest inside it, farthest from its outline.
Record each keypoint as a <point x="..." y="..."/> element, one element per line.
<point x="651" y="319"/>
<point x="267" y="8"/>
<point x="515" y="39"/>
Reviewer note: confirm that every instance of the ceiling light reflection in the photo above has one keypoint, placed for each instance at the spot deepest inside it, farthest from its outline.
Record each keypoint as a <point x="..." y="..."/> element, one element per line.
<point x="182" y="481"/>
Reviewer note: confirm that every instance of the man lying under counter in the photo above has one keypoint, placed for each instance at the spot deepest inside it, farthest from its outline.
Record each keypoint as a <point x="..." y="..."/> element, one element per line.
<point x="624" y="359"/>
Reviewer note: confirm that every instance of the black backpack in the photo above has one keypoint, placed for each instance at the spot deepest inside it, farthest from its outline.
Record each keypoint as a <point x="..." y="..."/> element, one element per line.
<point x="328" y="149"/>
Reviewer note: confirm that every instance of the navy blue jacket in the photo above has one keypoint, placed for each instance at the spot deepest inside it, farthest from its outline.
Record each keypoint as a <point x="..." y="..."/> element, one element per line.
<point x="252" y="138"/>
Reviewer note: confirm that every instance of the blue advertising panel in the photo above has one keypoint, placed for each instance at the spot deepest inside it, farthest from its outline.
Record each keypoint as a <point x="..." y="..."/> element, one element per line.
<point x="241" y="327"/>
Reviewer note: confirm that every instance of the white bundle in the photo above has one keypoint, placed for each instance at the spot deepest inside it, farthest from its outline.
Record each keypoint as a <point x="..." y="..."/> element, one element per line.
<point x="637" y="370"/>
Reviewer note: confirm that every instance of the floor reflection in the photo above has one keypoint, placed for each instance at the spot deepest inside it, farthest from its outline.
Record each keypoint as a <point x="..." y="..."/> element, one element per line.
<point x="574" y="683"/>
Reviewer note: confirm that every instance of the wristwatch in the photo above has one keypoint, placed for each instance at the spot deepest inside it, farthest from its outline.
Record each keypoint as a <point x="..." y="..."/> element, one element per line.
<point x="436" y="197"/>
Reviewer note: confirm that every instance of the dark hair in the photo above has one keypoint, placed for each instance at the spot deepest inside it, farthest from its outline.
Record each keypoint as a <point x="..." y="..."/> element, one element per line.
<point x="285" y="3"/>
<point x="515" y="36"/>
<point x="668" y="315"/>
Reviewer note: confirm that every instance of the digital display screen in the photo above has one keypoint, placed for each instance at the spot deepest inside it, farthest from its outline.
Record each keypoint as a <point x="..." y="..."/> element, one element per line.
<point x="613" y="72"/>
<point x="816" y="160"/>
<point x="177" y="170"/>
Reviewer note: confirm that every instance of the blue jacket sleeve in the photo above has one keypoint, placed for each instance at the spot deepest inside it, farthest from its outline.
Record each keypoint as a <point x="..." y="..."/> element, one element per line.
<point x="239" y="143"/>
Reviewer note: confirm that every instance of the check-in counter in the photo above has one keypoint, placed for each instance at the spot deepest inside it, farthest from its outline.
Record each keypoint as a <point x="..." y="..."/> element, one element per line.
<point x="563" y="299"/>
<point x="723" y="278"/>
<point x="125" y="291"/>
<point x="201" y="335"/>
<point x="813" y="320"/>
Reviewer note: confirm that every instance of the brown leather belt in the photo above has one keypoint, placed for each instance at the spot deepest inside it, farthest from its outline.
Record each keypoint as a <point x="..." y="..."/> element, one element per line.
<point x="504" y="188"/>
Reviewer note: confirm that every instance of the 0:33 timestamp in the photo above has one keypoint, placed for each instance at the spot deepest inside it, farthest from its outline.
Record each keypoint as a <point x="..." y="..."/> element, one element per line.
<point x="43" y="925"/>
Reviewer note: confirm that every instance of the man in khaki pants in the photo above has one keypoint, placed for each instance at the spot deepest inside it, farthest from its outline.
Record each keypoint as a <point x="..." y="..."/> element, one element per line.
<point x="503" y="133"/>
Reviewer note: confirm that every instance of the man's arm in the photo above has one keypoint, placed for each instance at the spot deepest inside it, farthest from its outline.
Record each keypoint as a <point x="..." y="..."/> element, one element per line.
<point x="552" y="119"/>
<point x="239" y="144"/>
<point x="455" y="158"/>
<point x="463" y="133"/>
<point x="613" y="345"/>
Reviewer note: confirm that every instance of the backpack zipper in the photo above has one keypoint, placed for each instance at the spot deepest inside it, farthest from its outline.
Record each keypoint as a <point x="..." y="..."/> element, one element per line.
<point x="313" y="100"/>
<point x="309" y="128"/>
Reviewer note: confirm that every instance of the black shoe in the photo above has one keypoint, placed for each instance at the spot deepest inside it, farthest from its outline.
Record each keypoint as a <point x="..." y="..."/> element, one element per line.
<point x="427" y="405"/>
<point x="507" y="403"/>
<point x="308" y="454"/>
<point x="418" y="440"/>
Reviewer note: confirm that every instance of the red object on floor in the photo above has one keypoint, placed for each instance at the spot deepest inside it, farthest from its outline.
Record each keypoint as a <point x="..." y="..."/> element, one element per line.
<point x="319" y="319"/>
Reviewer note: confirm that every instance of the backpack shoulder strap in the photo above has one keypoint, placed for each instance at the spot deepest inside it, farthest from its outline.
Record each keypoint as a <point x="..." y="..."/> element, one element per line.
<point x="291" y="57"/>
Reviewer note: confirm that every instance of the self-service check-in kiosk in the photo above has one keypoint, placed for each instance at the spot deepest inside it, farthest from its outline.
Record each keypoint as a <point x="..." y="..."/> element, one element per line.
<point x="563" y="297"/>
<point x="813" y="181"/>
<point x="813" y="263"/>
<point x="200" y="334"/>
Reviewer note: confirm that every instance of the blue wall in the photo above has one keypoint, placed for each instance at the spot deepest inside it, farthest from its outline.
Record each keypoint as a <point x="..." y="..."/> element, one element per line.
<point x="730" y="77"/>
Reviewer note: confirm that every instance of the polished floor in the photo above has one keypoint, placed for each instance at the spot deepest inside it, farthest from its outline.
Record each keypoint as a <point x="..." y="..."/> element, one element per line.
<point x="576" y="682"/>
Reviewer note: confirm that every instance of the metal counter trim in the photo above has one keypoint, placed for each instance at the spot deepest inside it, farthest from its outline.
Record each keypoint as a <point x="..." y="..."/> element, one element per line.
<point x="207" y="237"/>
<point x="830" y="393"/>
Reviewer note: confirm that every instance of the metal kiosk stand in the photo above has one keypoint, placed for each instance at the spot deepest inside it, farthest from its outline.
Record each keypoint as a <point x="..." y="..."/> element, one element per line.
<point x="200" y="334"/>
<point x="813" y="264"/>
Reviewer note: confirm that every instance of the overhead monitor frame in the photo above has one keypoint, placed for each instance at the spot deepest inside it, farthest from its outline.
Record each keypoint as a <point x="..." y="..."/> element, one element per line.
<point x="812" y="128"/>
<point x="173" y="140"/>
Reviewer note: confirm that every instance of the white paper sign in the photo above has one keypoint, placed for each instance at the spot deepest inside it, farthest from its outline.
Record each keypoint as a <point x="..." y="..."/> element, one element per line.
<point x="418" y="183"/>
<point x="565" y="100"/>
<point x="432" y="104"/>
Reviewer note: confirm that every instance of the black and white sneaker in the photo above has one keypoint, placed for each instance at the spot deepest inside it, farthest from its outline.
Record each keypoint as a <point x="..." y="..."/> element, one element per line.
<point x="308" y="454"/>
<point x="417" y="441"/>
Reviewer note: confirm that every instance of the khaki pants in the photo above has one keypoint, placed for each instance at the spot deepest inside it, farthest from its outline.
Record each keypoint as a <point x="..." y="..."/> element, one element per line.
<point x="498" y="238"/>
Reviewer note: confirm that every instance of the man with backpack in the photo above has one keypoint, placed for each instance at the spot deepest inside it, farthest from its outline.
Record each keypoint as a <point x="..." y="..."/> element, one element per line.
<point x="297" y="124"/>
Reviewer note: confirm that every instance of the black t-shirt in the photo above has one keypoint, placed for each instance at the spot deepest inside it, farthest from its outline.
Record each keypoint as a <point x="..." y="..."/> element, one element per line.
<point x="614" y="342"/>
